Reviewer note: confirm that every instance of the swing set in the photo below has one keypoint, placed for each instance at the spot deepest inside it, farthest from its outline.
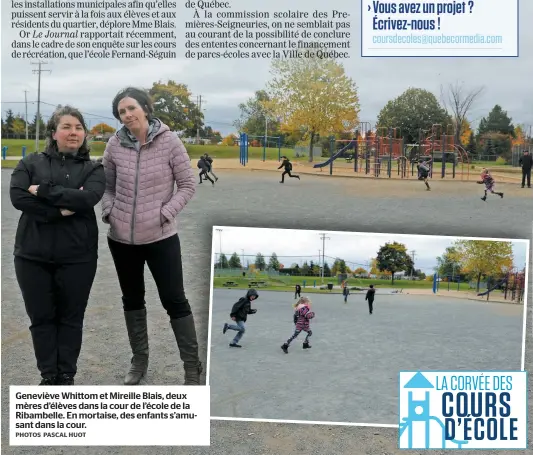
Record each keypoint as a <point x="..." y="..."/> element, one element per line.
<point x="244" y="143"/>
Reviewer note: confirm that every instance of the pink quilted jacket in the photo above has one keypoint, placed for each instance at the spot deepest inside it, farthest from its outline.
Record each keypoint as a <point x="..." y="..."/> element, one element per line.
<point x="139" y="202"/>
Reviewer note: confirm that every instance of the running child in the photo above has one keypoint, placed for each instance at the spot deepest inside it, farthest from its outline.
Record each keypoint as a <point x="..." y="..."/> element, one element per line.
<point x="302" y="316"/>
<point x="489" y="183"/>
<point x="288" y="168"/>
<point x="203" y="165"/>
<point x="239" y="314"/>
<point x="423" y="172"/>
<point x="209" y="162"/>
<point x="297" y="290"/>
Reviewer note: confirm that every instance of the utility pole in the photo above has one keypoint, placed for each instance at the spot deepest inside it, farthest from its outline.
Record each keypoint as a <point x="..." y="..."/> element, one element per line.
<point x="26" y="116"/>
<point x="323" y="237"/>
<point x="266" y="128"/>
<point x="220" y="245"/>
<point x="199" y="104"/>
<point x="412" y="268"/>
<point x="38" y="118"/>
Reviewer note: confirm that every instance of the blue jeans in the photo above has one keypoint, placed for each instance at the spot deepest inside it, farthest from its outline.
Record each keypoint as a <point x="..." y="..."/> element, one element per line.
<point x="240" y="328"/>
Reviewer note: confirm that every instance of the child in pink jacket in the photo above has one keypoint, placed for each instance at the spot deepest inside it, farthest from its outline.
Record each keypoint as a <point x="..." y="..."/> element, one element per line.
<point x="302" y="317"/>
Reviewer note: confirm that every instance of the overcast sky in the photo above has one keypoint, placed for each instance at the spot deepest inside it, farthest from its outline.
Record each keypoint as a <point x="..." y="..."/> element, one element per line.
<point x="90" y="84"/>
<point x="356" y="249"/>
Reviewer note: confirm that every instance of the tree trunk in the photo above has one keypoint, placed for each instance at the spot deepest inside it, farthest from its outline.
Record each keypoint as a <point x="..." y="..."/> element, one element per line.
<point x="478" y="280"/>
<point x="311" y="146"/>
<point x="392" y="278"/>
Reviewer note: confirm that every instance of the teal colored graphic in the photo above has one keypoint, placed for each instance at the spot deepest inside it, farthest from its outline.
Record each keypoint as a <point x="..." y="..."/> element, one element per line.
<point x="418" y="411"/>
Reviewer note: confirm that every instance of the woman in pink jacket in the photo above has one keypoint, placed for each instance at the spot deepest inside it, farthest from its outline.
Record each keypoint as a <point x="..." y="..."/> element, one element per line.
<point x="144" y="162"/>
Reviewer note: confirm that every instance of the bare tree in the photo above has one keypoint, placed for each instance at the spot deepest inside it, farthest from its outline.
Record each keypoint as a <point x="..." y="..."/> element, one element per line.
<point x="459" y="101"/>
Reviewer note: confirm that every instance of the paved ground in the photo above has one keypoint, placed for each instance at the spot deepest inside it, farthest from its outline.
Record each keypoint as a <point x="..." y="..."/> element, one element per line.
<point x="249" y="199"/>
<point x="351" y="372"/>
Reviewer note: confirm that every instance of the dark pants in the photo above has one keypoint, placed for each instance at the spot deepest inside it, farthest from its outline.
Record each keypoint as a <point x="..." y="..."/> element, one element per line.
<point x="370" y="306"/>
<point x="526" y="174"/>
<point x="210" y="170"/>
<point x="55" y="297"/>
<point x="296" y="333"/>
<point x="164" y="261"/>
<point x="290" y="175"/>
<point x="204" y="173"/>
<point x="297" y="293"/>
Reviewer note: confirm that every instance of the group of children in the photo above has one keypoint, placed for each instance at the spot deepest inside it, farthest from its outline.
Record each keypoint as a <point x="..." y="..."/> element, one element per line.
<point x="424" y="168"/>
<point x="301" y="318"/>
<point x="205" y="164"/>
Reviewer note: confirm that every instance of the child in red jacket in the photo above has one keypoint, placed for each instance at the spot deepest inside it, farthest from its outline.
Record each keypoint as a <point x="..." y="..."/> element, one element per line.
<point x="489" y="182"/>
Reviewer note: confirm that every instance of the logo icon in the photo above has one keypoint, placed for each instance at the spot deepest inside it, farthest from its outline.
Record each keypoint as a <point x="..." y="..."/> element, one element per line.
<point x="463" y="410"/>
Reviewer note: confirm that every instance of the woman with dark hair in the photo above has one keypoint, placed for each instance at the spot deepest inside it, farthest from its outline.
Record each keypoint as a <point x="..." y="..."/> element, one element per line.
<point x="149" y="182"/>
<point x="56" y="245"/>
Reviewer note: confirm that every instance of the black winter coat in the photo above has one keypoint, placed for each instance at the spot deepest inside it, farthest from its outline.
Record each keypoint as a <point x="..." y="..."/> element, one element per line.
<point x="526" y="162"/>
<point x="242" y="309"/>
<point x="43" y="233"/>
<point x="370" y="295"/>
<point x="203" y="165"/>
<point x="287" y="165"/>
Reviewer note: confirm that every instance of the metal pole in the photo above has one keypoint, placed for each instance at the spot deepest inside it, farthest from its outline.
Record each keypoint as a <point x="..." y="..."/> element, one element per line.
<point x="356" y="151"/>
<point x="389" y="172"/>
<point x="220" y="246"/>
<point x="26" y="117"/>
<point x="265" y="141"/>
<point x="199" y="104"/>
<point x="323" y="237"/>
<point x="38" y="119"/>
<point x="331" y="149"/>
<point x="444" y="146"/>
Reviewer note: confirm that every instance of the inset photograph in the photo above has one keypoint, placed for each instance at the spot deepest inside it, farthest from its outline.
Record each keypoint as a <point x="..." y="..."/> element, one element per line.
<point x="313" y="326"/>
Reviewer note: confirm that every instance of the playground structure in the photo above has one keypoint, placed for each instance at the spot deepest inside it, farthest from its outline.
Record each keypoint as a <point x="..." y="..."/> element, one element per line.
<point x="512" y="285"/>
<point x="385" y="152"/>
<point x="419" y="412"/>
<point x="5" y="149"/>
<point x="244" y="143"/>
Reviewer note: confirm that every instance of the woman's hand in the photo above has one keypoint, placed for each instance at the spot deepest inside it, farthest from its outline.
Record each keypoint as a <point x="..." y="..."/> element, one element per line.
<point x="66" y="212"/>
